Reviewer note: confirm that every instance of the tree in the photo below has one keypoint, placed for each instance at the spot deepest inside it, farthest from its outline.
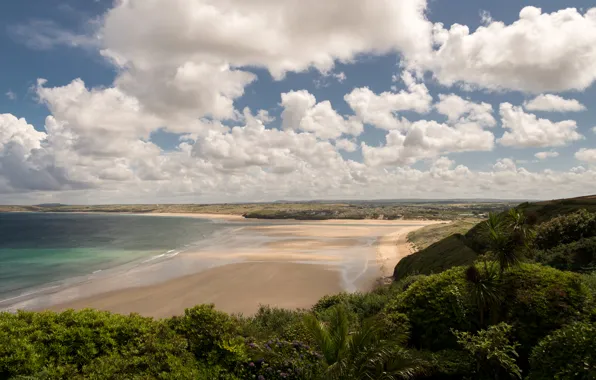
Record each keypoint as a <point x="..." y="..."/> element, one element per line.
<point x="485" y="289"/>
<point x="509" y="237"/>
<point x="360" y="354"/>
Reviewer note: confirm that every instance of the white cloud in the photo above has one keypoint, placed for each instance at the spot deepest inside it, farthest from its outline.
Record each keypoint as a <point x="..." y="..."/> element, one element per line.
<point x="379" y="110"/>
<point x="460" y="110"/>
<point x="11" y="95"/>
<point x="545" y="155"/>
<point x="539" y="52"/>
<point x="46" y="34"/>
<point x="553" y="103"/>
<point x="271" y="34"/>
<point x="302" y="112"/>
<point x="586" y="155"/>
<point x="526" y="130"/>
<point x="346" y="145"/>
<point x="505" y="164"/>
<point x="427" y="139"/>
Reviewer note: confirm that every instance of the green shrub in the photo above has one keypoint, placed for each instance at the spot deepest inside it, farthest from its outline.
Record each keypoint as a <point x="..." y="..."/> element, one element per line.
<point x="568" y="353"/>
<point x="86" y="343"/>
<point x="565" y="229"/>
<point x="535" y="301"/>
<point x="493" y="352"/>
<point x="538" y="300"/>
<point x="279" y="359"/>
<point x="576" y="256"/>
<point x="272" y="322"/>
<point x="434" y="305"/>
<point x="363" y="305"/>
<point x="213" y="336"/>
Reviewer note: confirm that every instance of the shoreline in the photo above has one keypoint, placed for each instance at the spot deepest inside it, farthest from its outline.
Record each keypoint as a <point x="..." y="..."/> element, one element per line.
<point x="290" y="265"/>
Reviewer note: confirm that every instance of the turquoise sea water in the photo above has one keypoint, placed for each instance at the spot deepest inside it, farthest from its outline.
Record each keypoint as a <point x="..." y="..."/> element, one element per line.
<point x="42" y="249"/>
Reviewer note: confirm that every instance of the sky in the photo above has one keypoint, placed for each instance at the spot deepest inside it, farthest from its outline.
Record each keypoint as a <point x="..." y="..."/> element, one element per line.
<point x="203" y="101"/>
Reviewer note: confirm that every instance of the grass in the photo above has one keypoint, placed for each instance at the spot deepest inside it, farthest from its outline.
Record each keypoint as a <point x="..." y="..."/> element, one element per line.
<point x="429" y="235"/>
<point x="444" y="254"/>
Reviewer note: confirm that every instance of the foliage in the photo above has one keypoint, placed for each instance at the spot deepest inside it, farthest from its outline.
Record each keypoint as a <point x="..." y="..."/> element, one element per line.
<point x="91" y="344"/>
<point x="485" y="289"/>
<point x="271" y="322"/>
<point x="280" y="359"/>
<point x="362" y="305"/>
<point x="359" y="354"/>
<point x="577" y="256"/>
<point x="566" y="229"/>
<point x="212" y="335"/>
<point x="493" y="352"/>
<point x="435" y="305"/>
<point x="568" y="353"/>
<point x="508" y="237"/>
<point x="538" y="300"/>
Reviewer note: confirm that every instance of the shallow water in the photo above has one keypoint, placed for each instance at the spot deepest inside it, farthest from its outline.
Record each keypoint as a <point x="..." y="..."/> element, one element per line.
<point x="49" y="259"/>
<point x="40" y="250"/>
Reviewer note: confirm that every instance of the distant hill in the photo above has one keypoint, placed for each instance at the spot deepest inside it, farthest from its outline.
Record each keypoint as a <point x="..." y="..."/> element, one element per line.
<point x="50" y="205"/>
<point x="459" y="249"/>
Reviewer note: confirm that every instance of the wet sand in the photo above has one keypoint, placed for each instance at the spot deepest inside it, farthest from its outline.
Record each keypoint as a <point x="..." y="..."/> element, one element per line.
<point x="233" y="288"/>
<point x="297" y="263"/>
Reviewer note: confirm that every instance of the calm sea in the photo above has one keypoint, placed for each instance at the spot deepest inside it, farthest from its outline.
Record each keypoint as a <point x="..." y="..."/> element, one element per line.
<point x="44" y="249"/>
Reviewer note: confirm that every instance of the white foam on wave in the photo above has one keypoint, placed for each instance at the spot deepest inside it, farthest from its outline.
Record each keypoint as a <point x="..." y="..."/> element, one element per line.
<point x="97" y="271"/>
<point x="154" y="258"/>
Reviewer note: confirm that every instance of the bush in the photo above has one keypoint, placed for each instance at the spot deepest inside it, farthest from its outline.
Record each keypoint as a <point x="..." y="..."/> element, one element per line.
<point x="271" y="322"/>
<point x="536" y="300"/>
<point x="87" y="343"/>
<point x="213" y="336"/>
<point x="539" y="300"/>
<point x="565" y="229"/>
<point x="434" y="305"/>
<point x="279" y="359"/>
<point x="363" y="305"/>
<point x="576" y="256"/>
<point x="494" y="354"/>
<point x="568" y="353"/>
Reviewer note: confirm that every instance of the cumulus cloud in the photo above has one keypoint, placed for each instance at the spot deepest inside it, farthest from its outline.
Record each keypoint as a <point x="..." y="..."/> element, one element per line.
<point x="178" y="31"/>
<point x="553" y="103"/>
<point x="25" y="164"/>
<point x="461" y="110"/>
<point x="302" y="112"/>
<point x="539" y="52"/>
<point x="527" y="130"/>
<point x="11" y="95"/>
<point x="545" y="155"/>
<point x="346" y="145"/>
<point x="586" y="155"/>
<point x="426" y="139"/>
<point x="380" y="110"/>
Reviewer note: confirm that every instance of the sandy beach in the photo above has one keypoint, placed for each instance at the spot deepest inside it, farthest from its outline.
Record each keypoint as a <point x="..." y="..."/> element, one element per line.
<point x="289" y="265"/>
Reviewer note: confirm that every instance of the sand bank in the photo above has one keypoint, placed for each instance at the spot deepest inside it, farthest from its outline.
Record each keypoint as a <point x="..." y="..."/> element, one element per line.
<point x="234" y="288"/>
<point x="288" y="265"/>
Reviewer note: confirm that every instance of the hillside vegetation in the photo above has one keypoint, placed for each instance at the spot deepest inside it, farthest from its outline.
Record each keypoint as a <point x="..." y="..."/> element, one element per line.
<point x="387" y="210"/>
<point x="503" y="316"/>
<point x="464" y="248"/>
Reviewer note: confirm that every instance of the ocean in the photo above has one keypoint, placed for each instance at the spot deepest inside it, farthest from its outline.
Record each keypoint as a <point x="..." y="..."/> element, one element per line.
<point x="43" y="251"/>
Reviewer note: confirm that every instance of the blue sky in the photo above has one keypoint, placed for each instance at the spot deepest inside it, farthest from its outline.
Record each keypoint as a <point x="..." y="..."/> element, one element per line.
<point x="62" y="40"/>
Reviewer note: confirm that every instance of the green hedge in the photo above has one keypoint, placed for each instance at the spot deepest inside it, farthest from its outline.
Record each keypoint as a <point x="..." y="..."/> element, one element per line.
<point x="566" y="229"/>
<point x="578" y="256"/>
<point x="568" y="353"/>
